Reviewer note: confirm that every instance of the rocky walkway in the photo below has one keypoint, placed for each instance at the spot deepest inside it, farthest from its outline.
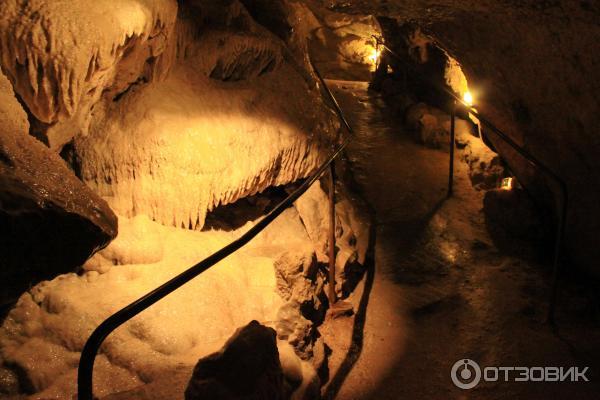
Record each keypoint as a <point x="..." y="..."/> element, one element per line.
<point x="440" y="291"/>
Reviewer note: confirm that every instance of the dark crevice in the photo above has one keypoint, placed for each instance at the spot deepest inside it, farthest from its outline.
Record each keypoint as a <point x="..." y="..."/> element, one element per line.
<point x="140" y="81"/>
<point x="37" y="128"/>
<point x="232" y="216"/>
<point x="69" y="154"/>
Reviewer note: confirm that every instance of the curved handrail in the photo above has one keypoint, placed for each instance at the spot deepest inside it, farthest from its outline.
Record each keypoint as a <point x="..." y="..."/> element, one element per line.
<point x="92" y="346"/>
<point x="562" y="215"/>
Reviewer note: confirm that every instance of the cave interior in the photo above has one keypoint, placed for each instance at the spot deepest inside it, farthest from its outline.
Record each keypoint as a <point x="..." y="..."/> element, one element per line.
<point x="299" y="199"/>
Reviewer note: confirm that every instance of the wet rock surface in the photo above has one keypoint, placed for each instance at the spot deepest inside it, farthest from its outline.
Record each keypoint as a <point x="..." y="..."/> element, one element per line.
<point x="50" y="222"/>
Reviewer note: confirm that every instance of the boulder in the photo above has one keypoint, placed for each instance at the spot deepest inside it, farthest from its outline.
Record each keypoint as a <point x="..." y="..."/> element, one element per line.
<point x="427" y="124"/>
<point x="247" y="367"/>
<point x="351" y="233"/>
<point x="50" y="222"/>
<point x="296" y="274"/>
<point x="301" y="285"/>
<point x="486" y="168"/>
<point x="295" y="329"/>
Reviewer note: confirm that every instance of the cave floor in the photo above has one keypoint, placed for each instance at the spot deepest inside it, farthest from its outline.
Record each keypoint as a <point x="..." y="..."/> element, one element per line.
<point x="439" y="290"/>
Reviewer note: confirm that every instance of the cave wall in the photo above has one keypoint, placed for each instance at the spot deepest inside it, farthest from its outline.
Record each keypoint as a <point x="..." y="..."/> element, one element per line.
<point x="169" y="108"/>
<point x="343" y="46"/>
<point x="61" y="57"/>
<point x="539" y="82"/>
<point x="233" y="117"/>
<point x="179" y="107"/>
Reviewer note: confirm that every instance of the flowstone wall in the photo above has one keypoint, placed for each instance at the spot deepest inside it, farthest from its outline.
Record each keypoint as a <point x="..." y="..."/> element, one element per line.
<point x="165" y="111"/>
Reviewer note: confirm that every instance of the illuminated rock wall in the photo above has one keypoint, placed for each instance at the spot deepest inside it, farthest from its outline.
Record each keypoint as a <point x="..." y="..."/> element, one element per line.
<point x="233" y="118"/>
<point x="227" y="110"/>
<point x="343" y="45"/>
<point x="173" y="108"/>
<point x="275" y="279"/>
<point x="63" y="56"/>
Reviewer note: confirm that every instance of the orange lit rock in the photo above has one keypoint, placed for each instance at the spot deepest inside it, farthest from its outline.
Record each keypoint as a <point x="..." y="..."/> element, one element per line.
<point x="247" y="367"/>
<point x="235" y="116"/>
<point x="62" y="57"/>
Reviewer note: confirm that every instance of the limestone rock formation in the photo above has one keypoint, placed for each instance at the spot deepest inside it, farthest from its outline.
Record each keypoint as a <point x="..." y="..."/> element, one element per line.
<point x="50" y="222"/>
<point x="431" y="127"/>
<point x="313" y="208"/>
<point x="62" y="57"/>
<point x="427" y="124"/>
<point x="172" y="107"/>
<point x="296" y="273"/>
<point x="343" y="45"/>
<point x="170" y="110"/>
<point x="486" y="169"/>
<point x="294" y="328"/>
<point x="351" y="228"/>
<point x="265" y="281"/>
<point x="55" y="317"/>
<point x="233" y="118"/>
<point x="247" y="367"/>
<point x="297" y="375"/>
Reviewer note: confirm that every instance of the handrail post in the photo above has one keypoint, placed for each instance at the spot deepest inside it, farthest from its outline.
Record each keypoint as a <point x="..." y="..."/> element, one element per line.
<point x="331" y="181"/>
<point x="376" y="55"/>
<point x="451" y="167"/>
<point x="560" y="232"/>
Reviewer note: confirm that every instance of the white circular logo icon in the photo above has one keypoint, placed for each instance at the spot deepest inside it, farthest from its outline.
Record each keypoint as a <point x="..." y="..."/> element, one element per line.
<point x="465" y="374"/>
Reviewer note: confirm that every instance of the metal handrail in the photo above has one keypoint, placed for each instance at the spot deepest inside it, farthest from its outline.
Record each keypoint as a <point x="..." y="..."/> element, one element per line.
<point x="92" y="346"/>
<point x="562" y="214"/>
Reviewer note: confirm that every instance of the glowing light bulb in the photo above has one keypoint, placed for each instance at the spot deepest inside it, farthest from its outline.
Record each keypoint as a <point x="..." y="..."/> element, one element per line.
<point x="468" y="98"/>
<point x="507" y="184"/>
<point x="374" y="56"/>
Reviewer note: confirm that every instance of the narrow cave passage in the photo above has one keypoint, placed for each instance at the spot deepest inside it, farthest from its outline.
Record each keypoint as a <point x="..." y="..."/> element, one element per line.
<point x="440" y="290"/>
